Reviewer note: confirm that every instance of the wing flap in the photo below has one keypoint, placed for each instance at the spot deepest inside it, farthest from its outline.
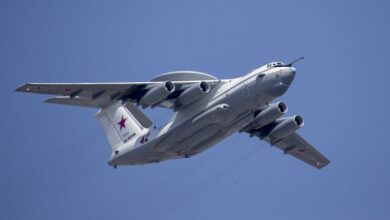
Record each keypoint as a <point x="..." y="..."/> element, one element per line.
<point x="82" y="102"/>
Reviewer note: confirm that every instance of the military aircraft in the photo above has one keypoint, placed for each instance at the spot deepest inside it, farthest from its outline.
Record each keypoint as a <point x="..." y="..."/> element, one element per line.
<point x="206" y="110"/>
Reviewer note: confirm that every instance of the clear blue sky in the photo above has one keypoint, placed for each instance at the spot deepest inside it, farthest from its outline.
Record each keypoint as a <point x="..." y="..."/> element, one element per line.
<point x="53" y="159"/>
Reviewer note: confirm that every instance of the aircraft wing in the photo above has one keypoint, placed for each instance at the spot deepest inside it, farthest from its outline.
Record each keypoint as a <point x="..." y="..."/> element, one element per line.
<point x="98" y="95"/>
<point x="299" y="148"/>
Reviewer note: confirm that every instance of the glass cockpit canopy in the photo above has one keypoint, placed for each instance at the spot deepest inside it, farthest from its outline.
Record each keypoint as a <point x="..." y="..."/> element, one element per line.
<point x="276" y="64"/>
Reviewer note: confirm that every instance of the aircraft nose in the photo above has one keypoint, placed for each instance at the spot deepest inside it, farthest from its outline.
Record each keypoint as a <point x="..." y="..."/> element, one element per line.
<point x="288" y="75"/>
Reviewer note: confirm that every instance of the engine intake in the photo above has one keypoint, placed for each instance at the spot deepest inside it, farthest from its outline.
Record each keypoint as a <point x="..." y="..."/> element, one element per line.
<point x="157" y="94"/>
<point x="193" y="93"/>
<point x="285" y="127"/>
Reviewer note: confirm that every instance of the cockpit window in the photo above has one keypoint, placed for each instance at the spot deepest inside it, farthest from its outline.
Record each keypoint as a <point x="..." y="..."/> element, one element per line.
<point x="275" y="64"/>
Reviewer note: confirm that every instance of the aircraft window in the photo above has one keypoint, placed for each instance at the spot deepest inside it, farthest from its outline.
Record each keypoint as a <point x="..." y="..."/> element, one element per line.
<point x="279" y="64"/>
<point x="275" y="64"/>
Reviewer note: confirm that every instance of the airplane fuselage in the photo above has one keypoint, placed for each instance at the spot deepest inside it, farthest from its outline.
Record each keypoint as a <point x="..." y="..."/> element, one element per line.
<point x="204" y="123"/>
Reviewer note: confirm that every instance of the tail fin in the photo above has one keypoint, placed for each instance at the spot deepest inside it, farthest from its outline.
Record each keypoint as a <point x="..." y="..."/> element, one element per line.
<point x="122" y="123"/>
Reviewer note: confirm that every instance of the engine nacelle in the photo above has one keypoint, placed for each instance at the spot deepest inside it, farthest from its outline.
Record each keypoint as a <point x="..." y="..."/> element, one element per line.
<point x="270" y="114"/>
<point x="193" y="93"/>
<point x="285" y="127"/>
<point x="157" y="94"/>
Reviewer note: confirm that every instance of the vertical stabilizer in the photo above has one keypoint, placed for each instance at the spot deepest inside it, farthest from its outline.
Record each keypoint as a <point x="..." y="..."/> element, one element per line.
<point x="119" y="124"/>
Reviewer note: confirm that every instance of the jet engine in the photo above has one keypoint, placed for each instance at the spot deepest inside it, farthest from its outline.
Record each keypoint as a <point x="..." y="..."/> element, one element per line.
<point x="193" y="93"/>
<point x="285" y="127"/>
<point x="270" y="114"/>
<point x="157" y="94"/>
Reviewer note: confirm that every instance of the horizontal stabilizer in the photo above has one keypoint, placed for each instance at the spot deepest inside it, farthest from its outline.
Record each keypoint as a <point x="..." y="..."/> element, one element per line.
<point x="139" y="115"/>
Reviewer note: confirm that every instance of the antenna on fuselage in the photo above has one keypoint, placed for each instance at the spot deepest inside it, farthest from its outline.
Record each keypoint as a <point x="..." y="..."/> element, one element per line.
<point x="290" y="64"/>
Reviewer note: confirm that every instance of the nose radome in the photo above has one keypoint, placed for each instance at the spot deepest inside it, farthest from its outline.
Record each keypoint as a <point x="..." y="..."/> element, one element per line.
<point x="293" y="70"/>
<point x="288" y="75"/>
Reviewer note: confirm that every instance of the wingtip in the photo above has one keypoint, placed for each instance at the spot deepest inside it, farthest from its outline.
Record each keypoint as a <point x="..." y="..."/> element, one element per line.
<point x="322" y="165"/>
<point x="23" y="88"/>
<point x="47" y="100"/>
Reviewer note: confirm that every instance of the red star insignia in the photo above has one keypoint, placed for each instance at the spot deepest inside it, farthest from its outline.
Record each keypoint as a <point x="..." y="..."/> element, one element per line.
<point x="122" y="122"/>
